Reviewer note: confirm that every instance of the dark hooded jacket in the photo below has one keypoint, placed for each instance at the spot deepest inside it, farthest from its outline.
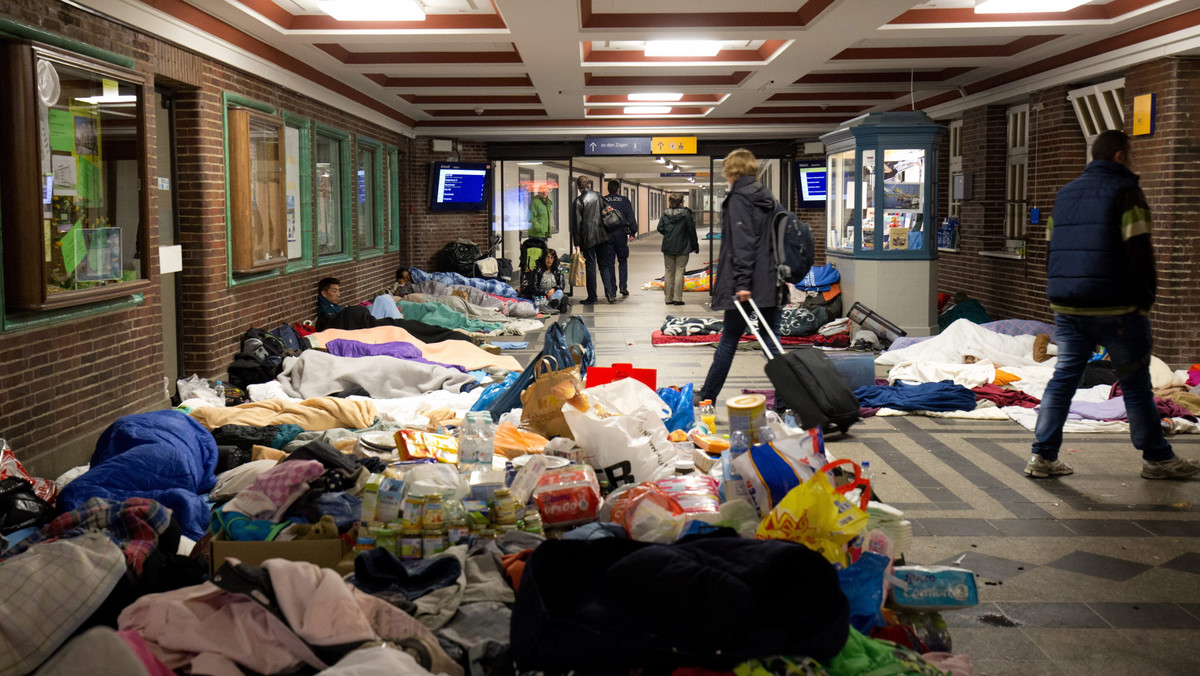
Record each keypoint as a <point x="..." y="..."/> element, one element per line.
<point x="586" y="228"/>
<point x="679" y="232"/>
<point x="746" y="261"/>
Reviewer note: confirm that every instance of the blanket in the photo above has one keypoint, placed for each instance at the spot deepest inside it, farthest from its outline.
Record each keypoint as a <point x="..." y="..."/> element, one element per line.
<point x="161" y="455"/>
<point x="457" y="352"/>
<point x="964" y="338"/>
<point x="492" y="286"/>
<point x="315" y="374"/>
<point x="515" y="324"/>
<point x="353" y="348"/>
<point x="440" y="314"/>
<point x="321" y="413"/>
<point x="943" y="396"/>
<point x="658" y="339"/>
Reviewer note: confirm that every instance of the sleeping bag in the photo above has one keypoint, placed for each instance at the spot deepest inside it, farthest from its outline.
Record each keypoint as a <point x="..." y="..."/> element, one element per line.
<point x="162" y="455"/>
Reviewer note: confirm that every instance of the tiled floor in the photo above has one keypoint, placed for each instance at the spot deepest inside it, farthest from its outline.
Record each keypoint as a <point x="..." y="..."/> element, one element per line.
<point x="1094" y="573"/>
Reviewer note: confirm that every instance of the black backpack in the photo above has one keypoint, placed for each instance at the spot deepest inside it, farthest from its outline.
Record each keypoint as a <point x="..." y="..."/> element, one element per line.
<point x="612" y="219"/>
<point x="792" y="244"/>
<point x="260" y="358"/>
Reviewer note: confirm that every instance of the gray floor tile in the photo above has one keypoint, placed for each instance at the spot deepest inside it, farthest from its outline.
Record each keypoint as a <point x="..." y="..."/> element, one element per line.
<point x="950" y="526"/>
<point x="986" y="615"/>
<point x="1188" y="562"/>
<point x="1145" y="615"/>
<point x="1053" y="615"/>
<point x="989" y="567"/>
<point x="1030" y="527"/>
<point x="1121" y="528"/>
<point x="1192" y="608"/>
<point x="1098" y="565"/>
<point x="1017" y="665"/>
<point x="1174" y="529"/>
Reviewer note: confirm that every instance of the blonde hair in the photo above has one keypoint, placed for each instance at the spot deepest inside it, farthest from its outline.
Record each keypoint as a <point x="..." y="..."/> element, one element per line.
<point x="739" y="163"/>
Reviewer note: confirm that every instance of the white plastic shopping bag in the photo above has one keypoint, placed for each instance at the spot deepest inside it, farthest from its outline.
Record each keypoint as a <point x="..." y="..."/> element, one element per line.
<point x="622" y="433"/>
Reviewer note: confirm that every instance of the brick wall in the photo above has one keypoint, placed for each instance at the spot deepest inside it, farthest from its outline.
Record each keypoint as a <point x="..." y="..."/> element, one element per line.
<point x="1169" y="164"/>
<point x="814" y="217"/>
<point x="429" y="231"/>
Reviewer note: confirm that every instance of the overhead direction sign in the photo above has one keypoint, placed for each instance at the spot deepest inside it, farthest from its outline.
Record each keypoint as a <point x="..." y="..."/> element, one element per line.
<point x="680" y="174"/>
<point x="616" y="145"/>
<point x="673" y="145"/>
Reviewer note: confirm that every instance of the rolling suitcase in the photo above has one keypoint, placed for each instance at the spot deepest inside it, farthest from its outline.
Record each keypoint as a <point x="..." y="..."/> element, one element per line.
<point x="805" y="381"/>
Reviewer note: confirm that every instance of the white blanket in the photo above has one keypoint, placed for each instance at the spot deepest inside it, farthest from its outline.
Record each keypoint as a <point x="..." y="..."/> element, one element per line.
<point x="316" y="374"/>
<point x="964" y="338"/>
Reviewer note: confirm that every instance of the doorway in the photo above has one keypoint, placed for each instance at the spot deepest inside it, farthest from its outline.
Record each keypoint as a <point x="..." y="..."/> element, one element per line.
<point x="169" y="256"/>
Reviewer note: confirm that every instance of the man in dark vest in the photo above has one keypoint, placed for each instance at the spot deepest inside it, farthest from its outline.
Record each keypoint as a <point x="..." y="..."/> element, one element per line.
<point x="1101" y="282"/>
<point x="619" y="237"/>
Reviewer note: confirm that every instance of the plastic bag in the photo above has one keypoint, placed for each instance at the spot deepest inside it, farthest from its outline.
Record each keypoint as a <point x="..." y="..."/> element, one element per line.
<point x="648" y="513"/>
<point x="774" y="468"/>
<point x="512" y="442"/>
<point x="195" y="387"/>
<point x="862" y="583"/>
<point x="11" y="467"/>
<point x="816" y="516"/>
<point x="683" y="415"/>
<point x="493" y="391"/>
<point x="434" y="478"/>
<point x="622" y="433"/>
<point x="568" y="496"/>
<point x="695" y="493"/>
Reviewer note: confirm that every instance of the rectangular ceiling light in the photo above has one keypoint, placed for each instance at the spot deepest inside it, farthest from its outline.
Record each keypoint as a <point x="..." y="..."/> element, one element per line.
<point x="1025" y="6"/>
<point x="656" y="96"/>
<point x="647" y="110"/>
<point x="373" y="10"/>
<point x="109" y="98"/>
<point x="682" y="47"/>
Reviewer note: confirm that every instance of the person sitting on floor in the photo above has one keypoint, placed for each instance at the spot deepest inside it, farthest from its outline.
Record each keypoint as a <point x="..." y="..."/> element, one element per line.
<point x="548" y="281"/>
<point x="332" y="315"/>
<point x="403" y="284"/>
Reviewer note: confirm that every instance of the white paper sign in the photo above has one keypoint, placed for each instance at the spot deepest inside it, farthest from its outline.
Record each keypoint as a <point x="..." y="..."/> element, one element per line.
<point x="170" y="259"/>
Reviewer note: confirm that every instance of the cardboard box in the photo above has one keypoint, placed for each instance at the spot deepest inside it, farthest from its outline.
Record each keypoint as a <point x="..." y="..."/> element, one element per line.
<point x="324" y="553"/>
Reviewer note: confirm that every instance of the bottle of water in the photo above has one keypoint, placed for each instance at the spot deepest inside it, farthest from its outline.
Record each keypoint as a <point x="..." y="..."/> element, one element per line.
<point x="738" y="443"/>
<point x="869" y="476"/>
<point x="487" y="439"/>
<point x="467" y="445"/>
<point x="765" y="434"/>
<point x="219" y="388"/>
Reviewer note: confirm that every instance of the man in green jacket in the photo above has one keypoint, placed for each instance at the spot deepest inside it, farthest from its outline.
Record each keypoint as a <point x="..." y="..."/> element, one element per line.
<point x="539" y="223"/>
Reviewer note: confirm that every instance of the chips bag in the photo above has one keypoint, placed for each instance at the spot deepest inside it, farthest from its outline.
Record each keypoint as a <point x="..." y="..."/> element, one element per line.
<point x="815" y="515"/>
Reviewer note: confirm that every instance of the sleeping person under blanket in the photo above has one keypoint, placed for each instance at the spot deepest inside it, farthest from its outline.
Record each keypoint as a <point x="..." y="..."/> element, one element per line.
<point x="331" y="315"/>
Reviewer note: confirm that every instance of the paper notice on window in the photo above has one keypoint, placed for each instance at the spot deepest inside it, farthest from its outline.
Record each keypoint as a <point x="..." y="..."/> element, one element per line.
<point x="898" y="238"/>
<point x="62" y="131"/>
<point x="73" y="247"/>
<point x="64" y="175"/>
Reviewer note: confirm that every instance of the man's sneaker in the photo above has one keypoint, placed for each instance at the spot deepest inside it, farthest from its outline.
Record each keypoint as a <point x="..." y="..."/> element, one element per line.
<point x="1175" y="468"/>
<point x="1040" y="468"/>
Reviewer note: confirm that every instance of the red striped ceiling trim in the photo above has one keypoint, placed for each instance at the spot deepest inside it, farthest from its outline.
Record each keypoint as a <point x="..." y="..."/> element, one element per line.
<point x="622" y="98"/>
<point x="889" y="77"/>
<point x="967" y="15"/>
<point x="207" y="23"/>
<point x="1127" y="39"/>
<point x="835" y="96"/>
<point x="415" y="82"/>
<point x="394" y="58"/>
<point x="494" y="112"/>
<point x="589" y="18"/>
<point x="733" y="79"/>
<point x="947" y="52"/>
<point x="764" y="52"/>
<point x="675" y="110"/>
<point x="815" y="110"/>
<point x="487" y="98"/>
<point x="315" y="22"/>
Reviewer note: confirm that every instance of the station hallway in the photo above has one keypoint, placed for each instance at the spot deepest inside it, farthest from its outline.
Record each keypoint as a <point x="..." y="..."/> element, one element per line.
<point x="1094" y="573"/>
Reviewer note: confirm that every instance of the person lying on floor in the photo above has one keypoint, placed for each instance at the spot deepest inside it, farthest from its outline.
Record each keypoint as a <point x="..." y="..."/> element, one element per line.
<point x="403" y="285"/>
<point x="331" y="315"/>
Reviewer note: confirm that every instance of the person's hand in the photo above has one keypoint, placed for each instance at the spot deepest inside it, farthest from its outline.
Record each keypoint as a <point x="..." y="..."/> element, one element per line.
<point x="742" y="296"/>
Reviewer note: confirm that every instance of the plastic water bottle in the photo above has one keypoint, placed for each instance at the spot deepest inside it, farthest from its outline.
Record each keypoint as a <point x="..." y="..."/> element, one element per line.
<point x="766" y="434"/>
<point x="869" y="476"/>
<point x="468" y="454"/>
<point x="708" y="415"/>
<point x="219" y="388"/>
<point x="486" y="439"/>
<point x="738" y="443"/>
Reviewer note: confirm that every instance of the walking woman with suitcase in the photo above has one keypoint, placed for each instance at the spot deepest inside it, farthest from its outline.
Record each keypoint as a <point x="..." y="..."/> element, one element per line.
<point x="746" y="266"/>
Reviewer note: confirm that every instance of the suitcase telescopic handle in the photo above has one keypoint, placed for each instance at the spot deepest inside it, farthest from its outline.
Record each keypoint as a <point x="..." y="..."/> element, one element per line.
<point x="763" y="324"/>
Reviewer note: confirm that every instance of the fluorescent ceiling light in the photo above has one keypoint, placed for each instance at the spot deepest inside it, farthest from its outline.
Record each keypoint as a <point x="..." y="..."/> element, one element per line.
<point x="118" y="98"/>
<point x="675" y="169"/>
<point x="661" y="160"/>
<point x="656" y="96"/>
<point x="647" y="110"/>
<point x="1025" y="6"/>
<point x="682" y="47"/>
<point x="528" y="163"/>
<point x="373" y="10"/>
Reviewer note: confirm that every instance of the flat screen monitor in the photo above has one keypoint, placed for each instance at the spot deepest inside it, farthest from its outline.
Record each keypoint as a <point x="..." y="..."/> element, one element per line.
<point x="811" y="180"/>
<point x="458" y="186"/>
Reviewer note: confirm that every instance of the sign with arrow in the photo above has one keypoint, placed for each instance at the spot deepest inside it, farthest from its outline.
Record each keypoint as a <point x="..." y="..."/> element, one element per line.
<point x="616" y="145"/>
<point x="673" y="145"/>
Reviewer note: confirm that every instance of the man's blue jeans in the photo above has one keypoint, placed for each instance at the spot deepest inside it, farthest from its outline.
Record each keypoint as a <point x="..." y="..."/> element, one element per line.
<point x="731" y="335"/>
<point x="1127" y="338"/>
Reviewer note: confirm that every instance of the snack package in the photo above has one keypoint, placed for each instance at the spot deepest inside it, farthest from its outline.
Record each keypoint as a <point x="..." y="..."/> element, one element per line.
<point x="648" y="513"/>
<point x="568" y="496"/>
<point x="415" y="445"/>
<point x="711" y="444"/>
<point x="512" y="442"/>
<point x="695" y="493"/>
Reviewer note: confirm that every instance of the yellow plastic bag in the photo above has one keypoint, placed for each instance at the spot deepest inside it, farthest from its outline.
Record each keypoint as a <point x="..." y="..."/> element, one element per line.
<point x="816" y="516"/>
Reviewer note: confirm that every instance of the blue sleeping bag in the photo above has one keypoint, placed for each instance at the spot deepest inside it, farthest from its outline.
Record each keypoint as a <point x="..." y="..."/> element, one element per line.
<point x="163" y="455"/>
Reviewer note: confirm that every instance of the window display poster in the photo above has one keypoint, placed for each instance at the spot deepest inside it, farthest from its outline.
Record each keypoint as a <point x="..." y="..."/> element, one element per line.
<point x="102" y="260"/>
<point x="64" y="174"/>
<point x="291" y="186"/>
<point x="87" y="183"/>
<point x="74" y="248"/>
<point x="62" y="131"/>
<point x="86" y="139"/>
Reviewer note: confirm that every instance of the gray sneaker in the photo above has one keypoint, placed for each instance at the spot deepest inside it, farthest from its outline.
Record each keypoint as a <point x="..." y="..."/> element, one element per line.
<point x="1041" y="468"/>
<point x="1174" y="468"/>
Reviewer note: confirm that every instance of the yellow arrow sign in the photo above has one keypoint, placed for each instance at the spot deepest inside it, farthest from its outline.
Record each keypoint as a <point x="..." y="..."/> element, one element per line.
<point x="673" y="145"/>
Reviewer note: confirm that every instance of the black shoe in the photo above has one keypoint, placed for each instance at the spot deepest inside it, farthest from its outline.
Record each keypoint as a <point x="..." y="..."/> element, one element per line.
<point x="588" y="301"/>
<point x="624" y="292"/>
<point x="611" y="299"/>
<point x="678" y="302"/>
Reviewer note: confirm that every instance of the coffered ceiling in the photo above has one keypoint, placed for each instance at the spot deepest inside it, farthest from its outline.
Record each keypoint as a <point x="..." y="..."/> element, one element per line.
<point x="541" y="69"/>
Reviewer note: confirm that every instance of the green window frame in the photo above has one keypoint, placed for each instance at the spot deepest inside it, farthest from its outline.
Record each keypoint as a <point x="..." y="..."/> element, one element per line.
<point x="346" y="210"/>
<point x="302" y="209"/>
<point x="392" y="175"/>
<point x="368" y="198"/>
<point x="229" y="100"/>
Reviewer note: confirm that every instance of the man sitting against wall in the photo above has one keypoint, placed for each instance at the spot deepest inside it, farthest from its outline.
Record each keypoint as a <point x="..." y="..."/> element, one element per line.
<point x="382" y="312"/>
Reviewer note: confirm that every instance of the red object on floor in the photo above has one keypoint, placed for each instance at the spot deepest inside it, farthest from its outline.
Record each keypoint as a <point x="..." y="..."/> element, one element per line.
<point x="600" y="375"/>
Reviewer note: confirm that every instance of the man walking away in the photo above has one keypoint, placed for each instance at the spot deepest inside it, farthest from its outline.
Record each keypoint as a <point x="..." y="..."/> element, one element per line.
<point x="590" y="237"/>
<point x="619" y="237"/>
<point x="1100" y="280"/>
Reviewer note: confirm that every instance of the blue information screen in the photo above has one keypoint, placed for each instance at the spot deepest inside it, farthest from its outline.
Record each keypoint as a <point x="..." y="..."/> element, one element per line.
<point x="460" y="185"/>
<point x="811" y="182"/>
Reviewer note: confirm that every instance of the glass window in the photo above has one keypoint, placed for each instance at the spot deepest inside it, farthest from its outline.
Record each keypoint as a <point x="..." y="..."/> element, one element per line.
<point x="297" y="182"/>
<point x="366" y="193"/>
<point x="1016" y="164"/>
<point x="256" y="193"/>
<point x="74" y="212"/>
<point x="840" y="211"/>
<point x="903" y="192"/>
<point x="391" y="200"/>
<point x="329" y="156"/>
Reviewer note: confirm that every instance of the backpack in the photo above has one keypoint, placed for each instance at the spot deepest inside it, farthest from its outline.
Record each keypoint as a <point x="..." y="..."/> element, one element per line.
<point x="290" y="339"/>
<point x="792" y="245"/>
<point x="612" y="219"/>
<point x="273" y="344"/>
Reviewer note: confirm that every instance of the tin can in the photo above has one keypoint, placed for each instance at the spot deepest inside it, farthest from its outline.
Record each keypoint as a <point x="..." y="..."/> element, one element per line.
<point x="746" y="414"/>
<point x="433" y="542"/>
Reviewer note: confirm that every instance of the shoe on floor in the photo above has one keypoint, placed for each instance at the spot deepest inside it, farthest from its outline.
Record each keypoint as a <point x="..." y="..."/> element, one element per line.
<point x="1175" y="468"/>
<point x="611" y="299"/>
<point x="588" y="301"/>
<point x="624" y="292"/>
<point x="1041" y="468"/>
<point x="678" y="302"/>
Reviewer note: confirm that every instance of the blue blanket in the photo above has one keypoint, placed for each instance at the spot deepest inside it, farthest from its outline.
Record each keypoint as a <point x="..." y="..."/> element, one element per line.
<point x="163" y="455"/>
<point x="943" y="396"/>
<point x="492" y="286"/>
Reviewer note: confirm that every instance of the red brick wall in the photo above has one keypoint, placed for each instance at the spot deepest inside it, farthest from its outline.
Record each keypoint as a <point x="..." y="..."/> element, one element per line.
<point x="814" y="217"/>
<point x="1169" y="164"/>
<point x="429" y="231"/>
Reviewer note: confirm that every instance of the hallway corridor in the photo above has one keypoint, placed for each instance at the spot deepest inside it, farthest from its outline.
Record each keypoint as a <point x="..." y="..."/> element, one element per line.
<point x="1094" y="573"/>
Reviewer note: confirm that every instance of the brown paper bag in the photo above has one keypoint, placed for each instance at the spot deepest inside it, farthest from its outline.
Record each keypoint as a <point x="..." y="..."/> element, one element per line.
<point x="543" y="400"/>
<point x="578" y="272"/>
